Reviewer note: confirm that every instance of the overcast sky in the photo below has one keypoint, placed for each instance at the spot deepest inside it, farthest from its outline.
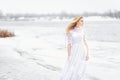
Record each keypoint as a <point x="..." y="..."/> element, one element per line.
<point x="56" y="6"/>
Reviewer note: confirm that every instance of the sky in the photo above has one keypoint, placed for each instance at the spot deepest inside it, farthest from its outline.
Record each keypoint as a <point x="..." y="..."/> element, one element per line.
<point x="57" y="6"/>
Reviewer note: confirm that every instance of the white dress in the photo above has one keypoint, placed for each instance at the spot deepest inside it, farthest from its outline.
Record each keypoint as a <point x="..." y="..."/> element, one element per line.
<point x="74" y="68"/>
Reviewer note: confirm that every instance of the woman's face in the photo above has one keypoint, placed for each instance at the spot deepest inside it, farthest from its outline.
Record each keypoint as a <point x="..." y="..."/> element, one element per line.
<point x="81" y="21"/>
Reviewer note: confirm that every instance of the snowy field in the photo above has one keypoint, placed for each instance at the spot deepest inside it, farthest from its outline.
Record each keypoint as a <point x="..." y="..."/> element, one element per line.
<point x="38" y="51"/>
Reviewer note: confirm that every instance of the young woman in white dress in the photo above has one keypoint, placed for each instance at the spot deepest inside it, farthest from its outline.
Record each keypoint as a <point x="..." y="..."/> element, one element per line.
<point x="78" y="52"/>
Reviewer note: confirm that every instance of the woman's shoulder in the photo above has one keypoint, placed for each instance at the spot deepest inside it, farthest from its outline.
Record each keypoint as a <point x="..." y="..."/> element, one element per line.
<point x="69" y="32"/>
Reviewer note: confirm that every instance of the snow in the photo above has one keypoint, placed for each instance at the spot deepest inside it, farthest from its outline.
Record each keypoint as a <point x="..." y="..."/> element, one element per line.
<point x="39" y="52"/>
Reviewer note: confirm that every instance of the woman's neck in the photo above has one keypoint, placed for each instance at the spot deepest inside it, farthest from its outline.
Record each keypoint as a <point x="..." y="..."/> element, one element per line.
<point x="78" y="25"/>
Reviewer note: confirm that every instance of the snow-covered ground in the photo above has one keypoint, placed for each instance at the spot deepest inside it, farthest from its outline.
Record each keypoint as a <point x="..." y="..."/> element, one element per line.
<point x="38" y="51"/>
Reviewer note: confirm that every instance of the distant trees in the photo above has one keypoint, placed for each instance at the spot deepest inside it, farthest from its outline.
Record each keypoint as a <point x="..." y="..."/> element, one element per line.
<point x="63" y="14"/>
<point x="113" y="14"/>
<point x="1" y="14"/>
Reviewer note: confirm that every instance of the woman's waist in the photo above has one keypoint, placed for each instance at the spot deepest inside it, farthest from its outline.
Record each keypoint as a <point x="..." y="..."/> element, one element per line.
<point x="77" y="43"/>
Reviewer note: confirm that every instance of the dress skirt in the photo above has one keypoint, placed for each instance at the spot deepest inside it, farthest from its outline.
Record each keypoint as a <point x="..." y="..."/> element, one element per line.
<point x="74" y="68"/>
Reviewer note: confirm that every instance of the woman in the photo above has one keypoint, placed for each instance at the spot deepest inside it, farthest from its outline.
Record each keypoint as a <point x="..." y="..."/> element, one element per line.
<point x="77" y="48"/>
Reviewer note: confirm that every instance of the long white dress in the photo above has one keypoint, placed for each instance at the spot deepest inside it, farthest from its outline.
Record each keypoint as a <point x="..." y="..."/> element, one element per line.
<point x="74" y="67"/>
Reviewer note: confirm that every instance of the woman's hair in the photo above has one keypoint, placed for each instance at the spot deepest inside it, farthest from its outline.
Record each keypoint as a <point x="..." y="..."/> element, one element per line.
<point x="73" y="24"/>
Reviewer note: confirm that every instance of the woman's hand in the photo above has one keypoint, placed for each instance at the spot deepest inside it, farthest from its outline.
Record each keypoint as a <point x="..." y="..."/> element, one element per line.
<point x="87" y="58"/>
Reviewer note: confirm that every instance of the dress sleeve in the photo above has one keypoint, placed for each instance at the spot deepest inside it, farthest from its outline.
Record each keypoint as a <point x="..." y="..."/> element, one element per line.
<point x="84" y="35"/>
<point x="68" y="38"/>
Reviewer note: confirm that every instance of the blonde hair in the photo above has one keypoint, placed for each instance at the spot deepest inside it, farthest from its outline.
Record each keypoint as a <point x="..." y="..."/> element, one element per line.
<point x="73" y="24"/>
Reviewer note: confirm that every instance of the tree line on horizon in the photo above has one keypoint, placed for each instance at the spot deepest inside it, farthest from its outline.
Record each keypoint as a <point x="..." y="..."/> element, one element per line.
<point x="28" y="16"/>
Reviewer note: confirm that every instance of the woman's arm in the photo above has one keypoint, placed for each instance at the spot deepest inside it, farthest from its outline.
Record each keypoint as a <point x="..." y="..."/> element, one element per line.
<point x="69" y="49"/>
<point x="69" y="44"/>
<point x="85" y="42"/>
<point x="86" y="45"/>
